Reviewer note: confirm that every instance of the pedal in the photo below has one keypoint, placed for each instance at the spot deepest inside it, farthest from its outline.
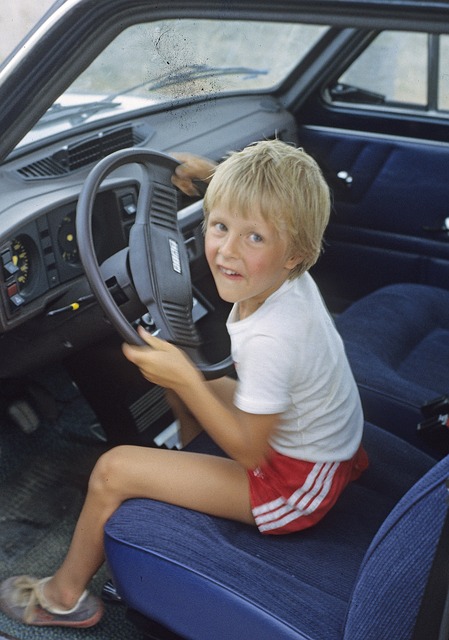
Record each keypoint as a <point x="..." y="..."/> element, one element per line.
<point x="23" y="415"/>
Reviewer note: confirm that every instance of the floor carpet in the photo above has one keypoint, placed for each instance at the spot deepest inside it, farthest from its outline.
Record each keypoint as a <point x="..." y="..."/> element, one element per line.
<point x="43" y="476"/>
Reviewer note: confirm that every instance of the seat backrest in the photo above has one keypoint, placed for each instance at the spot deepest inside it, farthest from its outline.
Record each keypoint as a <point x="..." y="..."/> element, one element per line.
<point x="392" y="578"/>
<point x="397" y="341"/>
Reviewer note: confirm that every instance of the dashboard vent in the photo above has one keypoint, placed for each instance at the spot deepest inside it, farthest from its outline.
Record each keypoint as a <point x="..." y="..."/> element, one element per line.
<point x="84" y="153"/>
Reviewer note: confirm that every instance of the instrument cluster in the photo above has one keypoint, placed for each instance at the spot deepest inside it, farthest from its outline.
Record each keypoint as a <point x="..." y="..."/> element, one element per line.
<point x="43" y="254"/>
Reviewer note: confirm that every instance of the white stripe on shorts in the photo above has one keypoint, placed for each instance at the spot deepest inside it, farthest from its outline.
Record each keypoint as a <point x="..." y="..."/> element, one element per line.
<point x="304" y="501"/>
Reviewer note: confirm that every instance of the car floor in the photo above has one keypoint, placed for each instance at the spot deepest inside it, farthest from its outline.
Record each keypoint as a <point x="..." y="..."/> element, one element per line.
<point x="43" y="476"/>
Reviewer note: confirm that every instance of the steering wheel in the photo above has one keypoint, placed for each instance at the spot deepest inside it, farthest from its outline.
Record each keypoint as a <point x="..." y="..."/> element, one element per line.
<point x="153" y="272"/>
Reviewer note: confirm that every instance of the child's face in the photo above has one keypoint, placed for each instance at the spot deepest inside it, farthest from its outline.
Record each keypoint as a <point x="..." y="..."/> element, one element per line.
<point x="248" y="257"/>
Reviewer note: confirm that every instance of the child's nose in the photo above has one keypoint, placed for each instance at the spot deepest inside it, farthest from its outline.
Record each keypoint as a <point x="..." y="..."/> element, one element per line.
<point x="229" y="247"/>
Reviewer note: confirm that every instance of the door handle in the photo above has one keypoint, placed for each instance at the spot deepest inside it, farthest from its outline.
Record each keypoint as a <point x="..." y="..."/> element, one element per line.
<point x="345" y="178"/>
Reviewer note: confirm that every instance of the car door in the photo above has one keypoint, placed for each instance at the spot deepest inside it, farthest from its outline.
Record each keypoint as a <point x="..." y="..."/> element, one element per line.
<point x="379" y="129"/>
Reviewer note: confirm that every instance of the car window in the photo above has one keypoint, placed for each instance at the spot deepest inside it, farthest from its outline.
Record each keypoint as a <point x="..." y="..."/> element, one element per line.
<point x="399" y="70"/>
<point x="153" y="64"/>
<point x="393" y="69"/>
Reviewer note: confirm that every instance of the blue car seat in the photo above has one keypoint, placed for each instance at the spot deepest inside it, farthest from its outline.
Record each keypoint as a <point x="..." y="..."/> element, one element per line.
<point x="397" y="341"/>
<point x="358" y="575"/>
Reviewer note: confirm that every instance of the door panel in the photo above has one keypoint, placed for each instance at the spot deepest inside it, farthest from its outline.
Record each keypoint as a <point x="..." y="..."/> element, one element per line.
<point x="390" y="202"/>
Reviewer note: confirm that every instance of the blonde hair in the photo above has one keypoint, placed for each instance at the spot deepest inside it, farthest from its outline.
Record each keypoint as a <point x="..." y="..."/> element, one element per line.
<point x="285" y="185"/>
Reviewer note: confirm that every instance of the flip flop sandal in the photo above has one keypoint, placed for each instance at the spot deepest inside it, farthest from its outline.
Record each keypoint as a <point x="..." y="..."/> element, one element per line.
<point x="21" y="598"/>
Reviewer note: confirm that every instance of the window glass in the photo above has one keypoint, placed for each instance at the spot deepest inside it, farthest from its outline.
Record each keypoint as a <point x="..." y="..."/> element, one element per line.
<point x="394" y="65"/>
<point x="159" y="63"/>
<point x="185" y="57"/>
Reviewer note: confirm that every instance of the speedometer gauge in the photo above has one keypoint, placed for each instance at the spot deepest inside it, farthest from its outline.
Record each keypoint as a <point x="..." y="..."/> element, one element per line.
<point x="20" y="260"/>
<point x="67" y="239"/>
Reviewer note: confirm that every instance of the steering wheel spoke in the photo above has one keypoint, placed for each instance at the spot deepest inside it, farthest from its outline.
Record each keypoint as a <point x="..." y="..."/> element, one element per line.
<point x="116" y="276"/>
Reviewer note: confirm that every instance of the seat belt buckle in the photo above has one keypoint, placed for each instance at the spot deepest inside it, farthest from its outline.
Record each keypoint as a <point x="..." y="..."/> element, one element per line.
<point x="435" y="422"/>
<point x="436" y="407"/>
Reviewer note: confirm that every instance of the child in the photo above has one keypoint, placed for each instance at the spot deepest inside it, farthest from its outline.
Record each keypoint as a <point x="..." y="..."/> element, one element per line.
<point x="292" y="423"/>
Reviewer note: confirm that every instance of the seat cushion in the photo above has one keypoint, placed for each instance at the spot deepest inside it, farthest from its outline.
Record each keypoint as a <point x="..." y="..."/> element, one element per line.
<point x="207" y="577"/>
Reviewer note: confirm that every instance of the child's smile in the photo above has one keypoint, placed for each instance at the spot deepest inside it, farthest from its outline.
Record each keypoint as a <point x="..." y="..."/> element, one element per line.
<point x="248" y="258"/>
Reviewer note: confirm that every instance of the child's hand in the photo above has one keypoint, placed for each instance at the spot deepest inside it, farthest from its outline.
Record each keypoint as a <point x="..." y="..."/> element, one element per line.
<point x="161" y="362"/>
<point x="192" y="167"/>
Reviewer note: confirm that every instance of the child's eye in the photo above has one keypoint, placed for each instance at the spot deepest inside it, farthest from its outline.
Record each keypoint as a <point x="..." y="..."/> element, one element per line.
<point x="218" y="227"/>
<point x="256" y="238"/>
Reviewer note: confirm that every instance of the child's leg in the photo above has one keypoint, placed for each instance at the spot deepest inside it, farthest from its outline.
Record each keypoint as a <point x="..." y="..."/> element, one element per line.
<point x="217" y="486"/>
<point x="224" y="388"/>
<point x="189" y="426"/>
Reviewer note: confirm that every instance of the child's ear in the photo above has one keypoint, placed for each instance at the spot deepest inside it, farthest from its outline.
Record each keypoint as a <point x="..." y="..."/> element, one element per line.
<point x="293" y="262"/>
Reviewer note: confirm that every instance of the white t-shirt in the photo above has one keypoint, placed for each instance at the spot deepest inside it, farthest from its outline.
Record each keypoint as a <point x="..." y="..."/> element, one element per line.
<point x="291" y="360"/>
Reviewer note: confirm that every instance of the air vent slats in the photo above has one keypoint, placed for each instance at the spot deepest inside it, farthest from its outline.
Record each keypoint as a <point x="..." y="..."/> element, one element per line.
<point x="42" y="169"/>
<point x="82" y="154"/>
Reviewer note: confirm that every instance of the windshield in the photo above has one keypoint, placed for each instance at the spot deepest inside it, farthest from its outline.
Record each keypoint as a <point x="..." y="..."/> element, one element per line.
<point x="152" y="64"/>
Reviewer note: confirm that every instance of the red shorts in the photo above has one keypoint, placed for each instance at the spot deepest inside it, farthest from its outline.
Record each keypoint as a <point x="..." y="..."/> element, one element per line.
<point x="289" y="495"/>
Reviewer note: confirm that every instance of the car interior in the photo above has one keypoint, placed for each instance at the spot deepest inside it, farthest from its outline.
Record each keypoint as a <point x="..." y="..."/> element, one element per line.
<point x="92" y="236"/>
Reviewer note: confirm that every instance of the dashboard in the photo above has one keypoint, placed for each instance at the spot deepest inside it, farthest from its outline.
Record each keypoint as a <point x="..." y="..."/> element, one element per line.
<point x="47" y="309"/>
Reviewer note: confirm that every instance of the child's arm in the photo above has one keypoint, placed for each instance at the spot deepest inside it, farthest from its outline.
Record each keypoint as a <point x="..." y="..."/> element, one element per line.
<point x="243" y="436"/>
